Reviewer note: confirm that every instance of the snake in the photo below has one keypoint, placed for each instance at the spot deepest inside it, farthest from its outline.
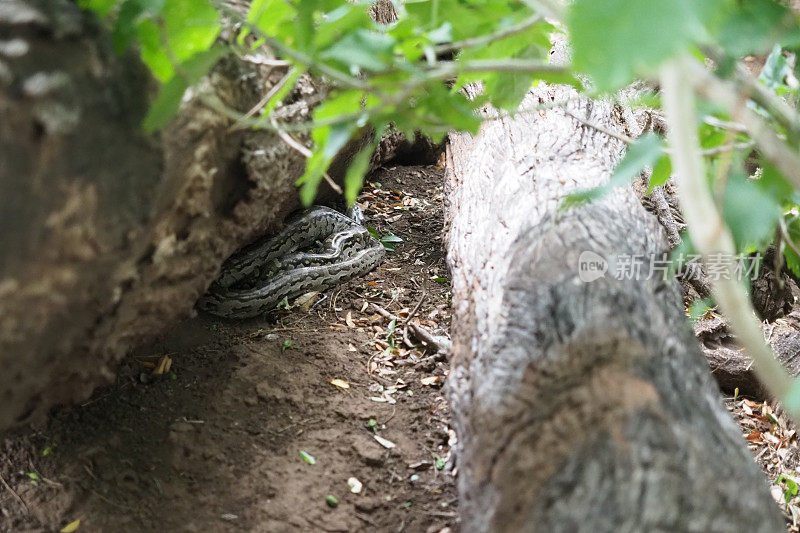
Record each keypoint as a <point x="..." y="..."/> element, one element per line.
<point x="314" y="252"/>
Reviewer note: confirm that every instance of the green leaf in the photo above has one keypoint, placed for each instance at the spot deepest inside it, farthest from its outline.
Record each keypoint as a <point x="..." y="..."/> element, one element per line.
<point x="342" y="21"/>
<point x="793" y="229"/>
<point x="307" y="458"/>
<point x="363" y="49"/>
<point x="152" y="51"/>
<point x="750" y="213"/>
<point x="270" y="16"/>
<point x="773" y="182"/>
<point x="614" y="41"/>
<point x="389" y="240"/>
<point x="291" y="78"/>
<point x="331" y="500"/>
<point x="169" y="97"/>
<point x="644" y="152"/>
<point x="189" y="27"/>
<point x="328" y="140"/>
<point x="354" y="178"/>
<point x="699" y="308"/>
<point x="775" y="69"/>
<point x="711" y="136"/>
<point x="661" y="172"/>
<point x="101" y="7"/>
<point x="791" y="489"/>
<point x="755" y="25"/>
<point x="125" y="26"/>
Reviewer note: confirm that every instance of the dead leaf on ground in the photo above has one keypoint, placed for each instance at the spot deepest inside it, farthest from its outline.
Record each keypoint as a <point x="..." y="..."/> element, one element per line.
<point x="163" y="366"/>
<point x="342" y="384"/>
<point x="72" y="526"/>
<point x="386" y="443"/>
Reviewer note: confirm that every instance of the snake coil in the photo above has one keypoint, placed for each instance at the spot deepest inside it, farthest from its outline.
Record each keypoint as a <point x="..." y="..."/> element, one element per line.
<point x="315" y="252"/>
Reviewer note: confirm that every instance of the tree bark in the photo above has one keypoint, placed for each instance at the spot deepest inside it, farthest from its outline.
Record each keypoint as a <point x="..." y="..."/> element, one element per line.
<point x="579" y="406"/>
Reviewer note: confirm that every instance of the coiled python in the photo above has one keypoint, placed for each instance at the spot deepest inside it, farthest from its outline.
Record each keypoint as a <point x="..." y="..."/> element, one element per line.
<point x="315" y="252"/>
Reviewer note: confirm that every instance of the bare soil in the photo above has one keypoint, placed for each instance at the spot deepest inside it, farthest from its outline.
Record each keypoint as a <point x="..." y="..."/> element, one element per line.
<point x="223" y="440"/>
<point x="214" y="444"/>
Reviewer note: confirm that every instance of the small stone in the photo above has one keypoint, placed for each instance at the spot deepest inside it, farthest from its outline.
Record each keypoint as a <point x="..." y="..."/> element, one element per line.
<point x="369" y="451"/>
<point x="14" y="48"/>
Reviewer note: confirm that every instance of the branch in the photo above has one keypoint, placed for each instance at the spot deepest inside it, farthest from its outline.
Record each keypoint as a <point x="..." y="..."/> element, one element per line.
<point x="709" y="233"/>
<point x="447" y="69"/>
<point x="419" y="332"/>
<point x="601" y="129"/>
<point x="549" y="8"/>
<point x="489" y="38"/>
<point x="777" y="107"/>
<point x="297" y="55"/>
<point x="773" y="147"/>
<point x="787" y="239"/>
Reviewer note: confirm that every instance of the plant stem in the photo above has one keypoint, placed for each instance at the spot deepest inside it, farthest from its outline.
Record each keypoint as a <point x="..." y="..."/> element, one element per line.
<point x="709" y="233"/>
<point x="447" y="69"/>
<point x="785" y="158"/>
<point x="489" y="38"/>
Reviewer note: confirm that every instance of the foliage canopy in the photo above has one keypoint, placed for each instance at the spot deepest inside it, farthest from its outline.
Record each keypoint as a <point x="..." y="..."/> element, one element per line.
<point x="409" y="73"/>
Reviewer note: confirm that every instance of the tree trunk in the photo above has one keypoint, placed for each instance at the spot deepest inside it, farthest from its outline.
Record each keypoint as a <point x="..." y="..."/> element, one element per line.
<point x="108" y="236"/>
<point x="579" y="405"/>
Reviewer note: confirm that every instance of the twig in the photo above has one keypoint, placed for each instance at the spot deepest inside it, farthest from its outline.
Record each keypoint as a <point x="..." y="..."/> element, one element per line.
<point x="724" y="124"/>
<point x="490" y="38"/>
<point x="777" y="107"/>
<point x="267" y="97"/>
<point x="305" y="152"/>
<point x="412" y="314"/>
<point x="297" y="55"/>
<point x="15" y="495"/>
<point x="773" y="147"/>
<point x="788" y="240"/>
<point x="447" y="69"/>
<point x="419" y="332"/>
<point x="265" y="61"/>
<point x="601" y="129"/>
<point x="731" y="147"/>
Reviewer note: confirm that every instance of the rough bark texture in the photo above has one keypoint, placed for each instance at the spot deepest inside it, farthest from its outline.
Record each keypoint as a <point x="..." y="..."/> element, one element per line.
<point x="580" y="406"/>
<point x="107" y="236"/>
<point x="732" y="367"/>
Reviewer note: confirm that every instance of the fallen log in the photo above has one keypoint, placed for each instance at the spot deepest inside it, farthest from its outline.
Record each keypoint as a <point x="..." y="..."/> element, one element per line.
<point x="581" y="400"/>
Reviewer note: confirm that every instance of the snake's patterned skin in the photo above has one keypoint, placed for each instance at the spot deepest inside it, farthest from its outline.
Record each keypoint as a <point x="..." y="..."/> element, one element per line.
<point x="315" y="252"/>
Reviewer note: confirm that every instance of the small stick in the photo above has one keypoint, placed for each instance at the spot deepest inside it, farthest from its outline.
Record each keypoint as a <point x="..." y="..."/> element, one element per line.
<point x="14" y="493"/>
<point x="419" y="332"/>
<point x="410" y="316"/>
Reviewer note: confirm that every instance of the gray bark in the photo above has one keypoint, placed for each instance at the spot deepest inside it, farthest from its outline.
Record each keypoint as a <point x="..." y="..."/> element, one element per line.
<point x="579" y="406"/>
<point x="732" y="368"/>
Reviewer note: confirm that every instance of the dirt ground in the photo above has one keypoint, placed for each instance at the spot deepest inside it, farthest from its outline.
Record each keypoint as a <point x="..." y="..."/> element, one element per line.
<point x="225" y="439"/>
